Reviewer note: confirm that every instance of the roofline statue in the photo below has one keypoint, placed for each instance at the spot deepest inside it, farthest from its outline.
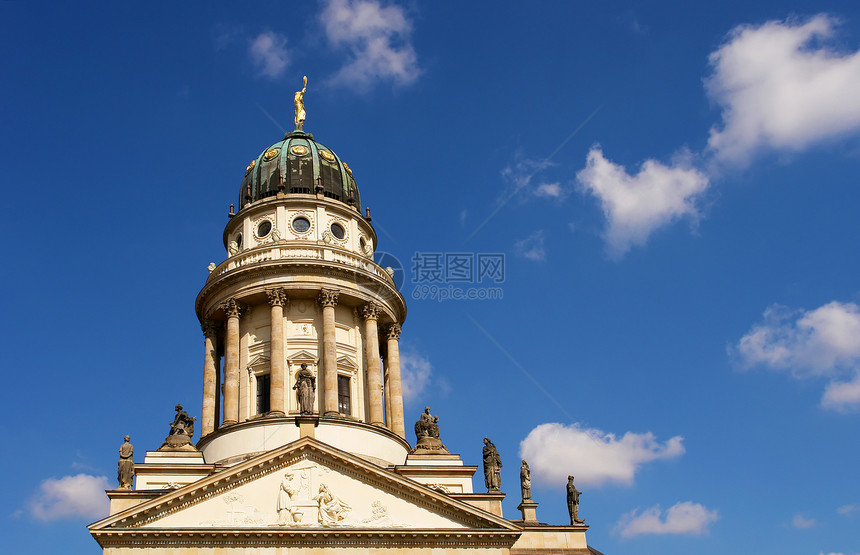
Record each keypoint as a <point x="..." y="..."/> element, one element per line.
<point x="299" y="101"/>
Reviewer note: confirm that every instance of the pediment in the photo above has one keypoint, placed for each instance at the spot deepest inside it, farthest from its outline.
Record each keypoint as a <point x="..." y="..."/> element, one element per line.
<point x="302" y="356"/>
<point x="346" y="361"/>
<point x="258" y="360"/>
<point x="316" y="487"/>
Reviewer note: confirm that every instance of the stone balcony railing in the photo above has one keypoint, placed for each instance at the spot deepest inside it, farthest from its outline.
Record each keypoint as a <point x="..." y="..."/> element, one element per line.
<point x="301" y="251"/>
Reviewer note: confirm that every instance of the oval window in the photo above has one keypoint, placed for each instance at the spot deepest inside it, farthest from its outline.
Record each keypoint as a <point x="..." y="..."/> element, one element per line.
<point x="363" y="243"/>
<point x="264" y="228"/>
<point x="239" y="240"/>
<point x="301" y="224"/>
<point x="338" y="231"/>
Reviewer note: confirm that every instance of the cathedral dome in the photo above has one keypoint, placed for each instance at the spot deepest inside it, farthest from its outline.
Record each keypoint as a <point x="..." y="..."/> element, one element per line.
<point x="299" y="165"/>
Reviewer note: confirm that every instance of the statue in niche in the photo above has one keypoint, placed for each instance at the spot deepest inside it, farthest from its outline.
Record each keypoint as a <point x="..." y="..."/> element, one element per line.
<point x="286" y="514"/>
<point x="181" y="432"/>
<point x="492" y="466"/>
<point x="332" y="509"/>
<point x="427" y="434"/>
<point x="526" y="480"/>
<point x="125" y="470"/>
<point x="573" y="502"/>
<point x="306" y="387"/>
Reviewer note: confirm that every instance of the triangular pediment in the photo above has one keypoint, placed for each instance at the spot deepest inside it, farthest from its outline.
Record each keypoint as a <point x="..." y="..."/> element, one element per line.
<point x="302" y="356"/>
<point x="301" y="487"/>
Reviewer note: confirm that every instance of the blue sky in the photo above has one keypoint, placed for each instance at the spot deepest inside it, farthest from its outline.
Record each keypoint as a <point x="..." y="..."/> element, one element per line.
<point x="674" y="189"/>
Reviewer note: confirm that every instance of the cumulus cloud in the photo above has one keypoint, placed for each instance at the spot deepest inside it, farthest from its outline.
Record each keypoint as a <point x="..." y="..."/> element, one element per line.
<point x="802" y="523"/>
<point x="415" y="372"/>
<point x="377" y="38"/>
<point x="593" y="456"/>
<point x="780" y="85"/>
<point x="79" y="496"/>
<point x="824" y="342"/>
<point x="269" y="53"/>
<point x="532" y="247"/>
<point x="682" y="518"/>
<point x="637" y="205"/>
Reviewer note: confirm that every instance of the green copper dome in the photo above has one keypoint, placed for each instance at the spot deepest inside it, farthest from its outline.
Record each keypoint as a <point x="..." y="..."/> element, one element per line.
<point x="299" y="165"/>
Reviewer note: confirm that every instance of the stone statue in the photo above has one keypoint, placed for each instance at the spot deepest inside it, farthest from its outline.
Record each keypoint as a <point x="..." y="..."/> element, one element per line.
<point x="427" y="425"/>
<point x="526" y="481"/>
<point x="427" y="434"/>
<point x="573" y="502"/>
<point x="331" y="508"/>
<point x="306" y="387"/>
<point x="125" y="470"/>
<point x="300" y="104"/>
<point x="181" y="432"/>
<point x="492" y="466"/>
<point x="285" y="501"/>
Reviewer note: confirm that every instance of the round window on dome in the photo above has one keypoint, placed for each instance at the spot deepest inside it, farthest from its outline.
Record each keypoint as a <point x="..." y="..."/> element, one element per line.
<point x="239" y="240"/>
<point x="264" y="228"/>
<point x="363" y="243"/>
<point x="338" y="231"/>
<point x="301" y="224"/>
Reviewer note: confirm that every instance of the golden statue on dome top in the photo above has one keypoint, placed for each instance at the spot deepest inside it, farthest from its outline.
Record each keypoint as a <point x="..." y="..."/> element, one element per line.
<point x="300" y="105"/>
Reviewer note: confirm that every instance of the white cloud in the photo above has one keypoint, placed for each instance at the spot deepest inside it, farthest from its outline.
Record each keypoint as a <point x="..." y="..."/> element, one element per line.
<point x="269" y="53"/>
<point x="847" y="510"/>
<point x="593" y="456"/>
<point x="802" y="523"/>
<point x="681" y="518"/>
<point x="79" y="496"/>
<point x="821" y="342"/>
<point x="377" y="38"/>
<point x="550" y="190"/>
<point x="637" y="205"/>
<point x="779" y="86"/>
<point x="415" y="372"/>
<point x="532" y="247"/>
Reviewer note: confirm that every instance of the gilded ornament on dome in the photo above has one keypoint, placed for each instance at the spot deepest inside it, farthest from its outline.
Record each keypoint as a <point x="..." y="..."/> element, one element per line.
<point x="327" y="155"/>
<point x="251" y="165"/>
<point x="348" y="170"/>
<point x="299" y="150"/>
<point x="271" y="153"/>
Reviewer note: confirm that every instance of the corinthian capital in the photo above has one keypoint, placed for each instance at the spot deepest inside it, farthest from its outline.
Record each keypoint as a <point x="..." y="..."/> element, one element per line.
<point x="209" y="327"/>
<point x="278" y="297"/>
<point x="392" y="331"/>
<point x="370" y="311"/>
<point x="328" y="297"/>
<point x="232" y="308"/>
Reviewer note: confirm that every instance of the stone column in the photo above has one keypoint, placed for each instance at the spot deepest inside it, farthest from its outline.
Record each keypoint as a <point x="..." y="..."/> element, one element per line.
<point x="328" y="300"/>
<point x="210" y="370"/>
<point x="277" y="386"/>
<point x="370" y="313"/>
<point x="233" y="310"/>
<point x="392" y="363"/>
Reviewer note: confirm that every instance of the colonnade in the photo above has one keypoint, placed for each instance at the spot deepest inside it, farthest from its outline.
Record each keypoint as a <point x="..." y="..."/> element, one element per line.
<point x="389" y="387"/>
